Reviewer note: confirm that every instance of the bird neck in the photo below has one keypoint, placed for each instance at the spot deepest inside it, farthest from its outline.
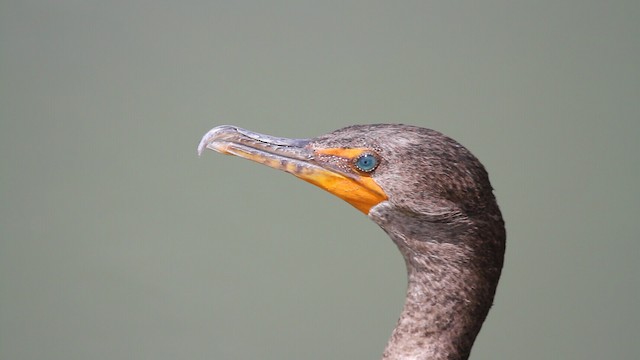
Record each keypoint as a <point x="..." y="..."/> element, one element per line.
<point x="450" y="288"/>
<point x="436" y="322"/>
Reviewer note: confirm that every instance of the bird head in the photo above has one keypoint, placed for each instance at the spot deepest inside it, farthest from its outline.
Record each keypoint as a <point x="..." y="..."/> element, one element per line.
<point x="408" y="168"/>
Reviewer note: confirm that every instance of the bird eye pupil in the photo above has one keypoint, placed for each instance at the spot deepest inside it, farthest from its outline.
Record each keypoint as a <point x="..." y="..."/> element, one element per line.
<point x="366" y="163"/>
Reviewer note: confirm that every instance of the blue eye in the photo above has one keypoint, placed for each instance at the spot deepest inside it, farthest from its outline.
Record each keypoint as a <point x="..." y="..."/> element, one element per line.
<point x="366" y="162"/>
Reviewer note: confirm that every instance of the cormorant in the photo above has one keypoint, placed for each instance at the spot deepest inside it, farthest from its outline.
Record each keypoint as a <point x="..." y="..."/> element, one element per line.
<point x="429" y="194"/>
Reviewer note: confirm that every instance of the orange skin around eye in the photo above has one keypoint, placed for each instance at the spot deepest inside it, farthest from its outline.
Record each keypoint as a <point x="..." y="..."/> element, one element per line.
<point x="362" y="191"/>
<point x="344" y="153"/>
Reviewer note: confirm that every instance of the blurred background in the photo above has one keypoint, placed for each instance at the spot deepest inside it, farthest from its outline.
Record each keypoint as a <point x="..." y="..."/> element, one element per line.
<point x="117" y="241"/>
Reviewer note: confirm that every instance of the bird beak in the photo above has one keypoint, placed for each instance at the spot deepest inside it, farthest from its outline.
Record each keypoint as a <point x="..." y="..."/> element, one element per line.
<point x="297" y="157"/>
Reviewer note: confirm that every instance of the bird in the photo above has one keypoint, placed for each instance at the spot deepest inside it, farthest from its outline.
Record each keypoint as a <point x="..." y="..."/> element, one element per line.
<point x="432" y="197"/>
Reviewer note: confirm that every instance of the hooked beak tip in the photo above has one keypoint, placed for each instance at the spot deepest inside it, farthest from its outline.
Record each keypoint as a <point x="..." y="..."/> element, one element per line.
<point x="202" y="145"/>
<point x="212" y="135"/>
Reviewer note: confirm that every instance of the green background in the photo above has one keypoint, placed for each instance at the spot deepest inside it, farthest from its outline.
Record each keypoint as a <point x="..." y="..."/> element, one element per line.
<point x="118" y="242"/>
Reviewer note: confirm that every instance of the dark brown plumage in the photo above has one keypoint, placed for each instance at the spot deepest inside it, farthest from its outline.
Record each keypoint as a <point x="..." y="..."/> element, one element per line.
<point x="430" y="195"/>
